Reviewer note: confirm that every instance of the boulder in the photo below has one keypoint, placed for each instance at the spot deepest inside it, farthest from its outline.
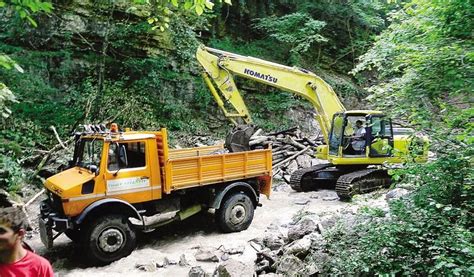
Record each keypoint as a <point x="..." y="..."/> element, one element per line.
<point x="206" y="255"/>
<point x="273" y="240"/>
<point x="314" y="262"/>
<point x="196" y="271"/>
<point x="161" y="263"/>
<point x="292" y="167"/>
<point x="298" y="247"/>
<point x="262" y="266"/>
<point x="328" y="221"/>
<point x="168" y="261"/>
<point x="305" y="226"/>
<point x="225" y="256"/>
<point x="288" y="265"/>
<point x="148" y="267"/>
<point x="331" y="196"/>
<point x="233" y="268"/>
<point x="304" y="161"/>
<point x="236" y="250"/>
<point x="186" y="259"/>
<point x="396" y="193"/>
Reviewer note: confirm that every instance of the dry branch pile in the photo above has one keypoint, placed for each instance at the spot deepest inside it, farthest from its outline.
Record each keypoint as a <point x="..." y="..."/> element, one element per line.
<point x="291" y="150"/>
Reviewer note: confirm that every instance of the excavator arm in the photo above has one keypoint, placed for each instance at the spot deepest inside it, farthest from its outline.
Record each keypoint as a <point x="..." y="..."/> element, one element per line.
<point x="220" y="67"/>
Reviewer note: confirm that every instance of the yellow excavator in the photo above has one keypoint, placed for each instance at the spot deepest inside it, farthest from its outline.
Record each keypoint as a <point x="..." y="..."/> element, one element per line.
<point x="357" y="142"/>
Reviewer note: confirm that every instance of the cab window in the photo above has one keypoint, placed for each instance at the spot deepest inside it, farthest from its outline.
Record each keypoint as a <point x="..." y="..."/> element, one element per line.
<point x="378" y="127"/>
<point x="126" y="155"/>
<point x="336" y="133"/>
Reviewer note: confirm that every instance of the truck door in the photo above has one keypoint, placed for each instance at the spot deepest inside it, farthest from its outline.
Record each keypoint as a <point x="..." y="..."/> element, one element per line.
<point x="128" y="171"/>
<point x="380" y="136"/>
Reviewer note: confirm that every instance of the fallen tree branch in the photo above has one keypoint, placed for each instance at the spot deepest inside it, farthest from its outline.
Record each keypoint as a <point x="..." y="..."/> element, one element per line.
<point x="291" y="157"/>
<point x="34" y="198"/>
<point x="292" y="129"/>
<point x="57" y="136"/>
<point x="46" y="157"/>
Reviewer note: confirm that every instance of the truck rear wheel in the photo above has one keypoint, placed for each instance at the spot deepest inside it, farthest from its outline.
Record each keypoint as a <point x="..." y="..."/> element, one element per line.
<point x="235" y="213"/>
<point x="109" y="238"/>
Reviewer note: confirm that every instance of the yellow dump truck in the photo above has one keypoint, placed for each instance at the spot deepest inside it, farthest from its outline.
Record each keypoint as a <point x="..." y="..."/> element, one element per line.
<point x="119" y="183"/>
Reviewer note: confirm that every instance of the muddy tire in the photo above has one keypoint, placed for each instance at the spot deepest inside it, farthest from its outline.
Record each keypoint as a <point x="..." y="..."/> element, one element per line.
<point x="109" y="238"/>
<point x="236" y="213"/>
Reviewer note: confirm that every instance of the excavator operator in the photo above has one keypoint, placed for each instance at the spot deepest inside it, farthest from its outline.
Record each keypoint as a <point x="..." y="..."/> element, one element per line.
<point x="358" y="139"/>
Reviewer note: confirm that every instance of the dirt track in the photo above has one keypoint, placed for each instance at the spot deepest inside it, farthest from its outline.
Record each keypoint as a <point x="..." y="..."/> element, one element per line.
<point x="183" y="237"/>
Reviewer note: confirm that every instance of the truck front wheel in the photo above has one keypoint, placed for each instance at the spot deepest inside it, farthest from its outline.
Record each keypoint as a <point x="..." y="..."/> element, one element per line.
<point x="235" y="213"/>
<point x="109" y="238"/>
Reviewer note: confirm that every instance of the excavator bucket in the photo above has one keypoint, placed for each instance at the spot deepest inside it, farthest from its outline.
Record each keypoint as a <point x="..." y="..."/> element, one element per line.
<point x="238" y="139"/>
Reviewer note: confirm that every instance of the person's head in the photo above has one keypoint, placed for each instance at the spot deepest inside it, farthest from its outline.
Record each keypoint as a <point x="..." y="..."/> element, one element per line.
<point x="12" y="228"/>
<point x="359" y="123"/>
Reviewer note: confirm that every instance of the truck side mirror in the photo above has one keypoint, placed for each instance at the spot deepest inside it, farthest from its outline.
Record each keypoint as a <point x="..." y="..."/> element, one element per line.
<point x="94" y="169"/>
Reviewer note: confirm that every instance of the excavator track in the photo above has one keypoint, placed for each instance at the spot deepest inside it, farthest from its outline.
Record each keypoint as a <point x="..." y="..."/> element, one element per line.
<point x="361" y="181"/>
<point x="297" y="178"/>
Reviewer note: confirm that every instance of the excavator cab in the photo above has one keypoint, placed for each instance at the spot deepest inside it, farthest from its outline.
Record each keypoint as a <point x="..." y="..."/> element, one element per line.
<point x="356" y="134"/>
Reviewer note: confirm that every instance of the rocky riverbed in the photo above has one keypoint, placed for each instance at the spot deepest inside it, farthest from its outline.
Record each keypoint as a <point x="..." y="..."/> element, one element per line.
<point x="277" y="242"/>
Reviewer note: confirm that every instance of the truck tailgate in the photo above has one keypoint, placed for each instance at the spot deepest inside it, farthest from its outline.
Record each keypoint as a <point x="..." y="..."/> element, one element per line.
<point x="186" y="172"/>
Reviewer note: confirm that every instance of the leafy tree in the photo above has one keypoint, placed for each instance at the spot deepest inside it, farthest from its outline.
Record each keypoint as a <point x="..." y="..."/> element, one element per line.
<point x="424" y="64"/>
<point x="5" y="93"/>
<point x="26" y="8"/>
<point x="424" y="61"/>
<point x="297" y="31"/>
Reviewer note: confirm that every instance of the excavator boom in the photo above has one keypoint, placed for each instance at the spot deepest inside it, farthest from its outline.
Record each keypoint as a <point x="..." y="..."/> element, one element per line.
<point x="221" y="66"/>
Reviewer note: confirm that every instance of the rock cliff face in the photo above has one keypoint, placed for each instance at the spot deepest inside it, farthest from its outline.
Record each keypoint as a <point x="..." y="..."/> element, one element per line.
<point x="96" y="62"/>
<point x="87" y="25"/>
<point x="92" y="61"/>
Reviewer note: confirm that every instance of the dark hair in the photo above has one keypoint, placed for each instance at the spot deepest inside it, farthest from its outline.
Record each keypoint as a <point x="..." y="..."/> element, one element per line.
<point x="359" y="121"/>
<point x="13" y="217"/>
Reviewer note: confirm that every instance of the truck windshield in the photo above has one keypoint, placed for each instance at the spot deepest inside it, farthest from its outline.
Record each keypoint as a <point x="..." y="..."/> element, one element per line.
<point x="90" y="152"/>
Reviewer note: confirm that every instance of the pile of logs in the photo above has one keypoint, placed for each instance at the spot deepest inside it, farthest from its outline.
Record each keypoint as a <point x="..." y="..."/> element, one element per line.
<point x="291" y="150"/>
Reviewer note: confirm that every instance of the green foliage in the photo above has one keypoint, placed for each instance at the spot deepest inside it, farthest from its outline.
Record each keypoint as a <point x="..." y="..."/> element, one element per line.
<point x="264" y="49"/>
<point x="5" y="96"/>
<point x="270" y="110"/>
<point x="424" y="68"/>
<point x="424" y="62"/>
<point x="11" y="174"/>
<point x="160" y="13"/>
<point x="26" y="8"/>
<point x="427" y="233"/>
<point x="350" y="27"/>
<point x="297" y="31"/>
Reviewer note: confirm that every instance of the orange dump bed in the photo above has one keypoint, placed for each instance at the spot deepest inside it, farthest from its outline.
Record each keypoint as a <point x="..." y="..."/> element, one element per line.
<point x="200" y="166"/>
<point x="192" y="167"/>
